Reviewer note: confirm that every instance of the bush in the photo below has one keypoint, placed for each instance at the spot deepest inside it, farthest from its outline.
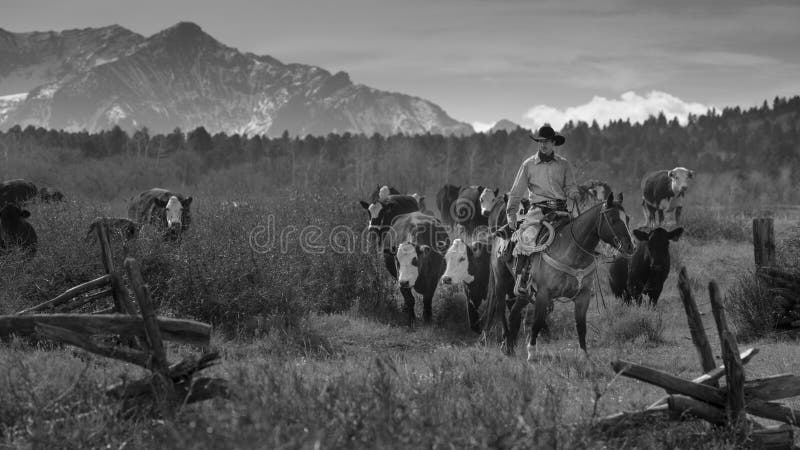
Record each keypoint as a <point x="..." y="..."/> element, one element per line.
<point x="706" y="225"/>
<point x="746" y="303"/>
<point x="639" y="324"/>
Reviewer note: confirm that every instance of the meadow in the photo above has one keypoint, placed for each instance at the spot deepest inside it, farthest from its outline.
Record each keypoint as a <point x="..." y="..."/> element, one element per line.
<point x="313" y="342"/>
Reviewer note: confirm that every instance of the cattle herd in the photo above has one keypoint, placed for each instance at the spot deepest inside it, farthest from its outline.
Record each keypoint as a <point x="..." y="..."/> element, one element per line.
<point x="464" y="245"/>
<point x="458" y="248"/>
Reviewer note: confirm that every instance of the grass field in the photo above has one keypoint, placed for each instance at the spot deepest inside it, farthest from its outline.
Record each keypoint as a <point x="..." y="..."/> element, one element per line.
<point x="328" y="363"/>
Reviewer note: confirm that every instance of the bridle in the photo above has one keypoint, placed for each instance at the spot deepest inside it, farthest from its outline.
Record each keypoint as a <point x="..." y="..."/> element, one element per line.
<point x="600" y="220"/>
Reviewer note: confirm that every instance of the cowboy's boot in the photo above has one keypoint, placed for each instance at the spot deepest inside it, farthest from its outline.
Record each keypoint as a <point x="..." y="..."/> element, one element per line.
<point x="521" y="269"/>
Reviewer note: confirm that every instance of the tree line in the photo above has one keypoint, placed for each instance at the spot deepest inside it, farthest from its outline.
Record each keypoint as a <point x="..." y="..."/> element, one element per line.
<point x="734" y="140"/>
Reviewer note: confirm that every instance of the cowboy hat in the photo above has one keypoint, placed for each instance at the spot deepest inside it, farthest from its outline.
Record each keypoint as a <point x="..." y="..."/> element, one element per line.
<point x="547" y="133"/>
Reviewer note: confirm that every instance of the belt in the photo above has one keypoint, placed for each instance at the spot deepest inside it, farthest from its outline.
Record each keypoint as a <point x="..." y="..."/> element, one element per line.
<point x="557" y="205"/>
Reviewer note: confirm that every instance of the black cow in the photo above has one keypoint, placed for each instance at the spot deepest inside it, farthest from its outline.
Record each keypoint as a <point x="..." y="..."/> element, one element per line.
<point x="460" y="205"/>
<point x="15" y="232"/>
<point x="17" y="192"/>
<point x="663" y="191"/>
<point x="381" y="192"/>
<point x="383" y="212"/>
<point x="648" y="267"/>
<point x="469" y="265"/>
<point x="126" y="229"/>
<point x="163" y="208"/>
<point x="416" y="243"/>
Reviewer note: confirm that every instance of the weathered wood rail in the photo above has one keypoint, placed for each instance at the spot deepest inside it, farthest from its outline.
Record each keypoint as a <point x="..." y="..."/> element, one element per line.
<point x="168" y="386"/>
<point x="729" y="406"/>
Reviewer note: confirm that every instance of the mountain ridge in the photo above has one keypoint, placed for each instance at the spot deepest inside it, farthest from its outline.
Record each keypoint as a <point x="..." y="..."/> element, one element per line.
<point x="183" y="77"/>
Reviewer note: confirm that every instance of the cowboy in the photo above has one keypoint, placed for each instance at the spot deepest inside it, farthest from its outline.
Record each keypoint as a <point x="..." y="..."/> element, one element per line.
<point x="550" y="181"/>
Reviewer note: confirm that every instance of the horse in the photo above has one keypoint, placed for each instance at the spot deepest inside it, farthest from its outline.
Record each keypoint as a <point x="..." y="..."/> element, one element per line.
<point x="564" y="269"/>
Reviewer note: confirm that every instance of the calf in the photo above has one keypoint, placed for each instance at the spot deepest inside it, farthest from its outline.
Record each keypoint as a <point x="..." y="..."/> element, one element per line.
<point x="383" y="212"/>
<point x="648" y="267"/>
<point x="15" y="231"/>
<point x="382" y="192"/>
<point x="468" y="265"/>
<point x="664" y="191"/>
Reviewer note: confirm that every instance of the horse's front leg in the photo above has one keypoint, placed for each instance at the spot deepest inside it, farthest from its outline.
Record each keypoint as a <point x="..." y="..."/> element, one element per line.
<point x="514" y="319"/>
<point x="542" y="306"/>
<point x="581" y="308"/>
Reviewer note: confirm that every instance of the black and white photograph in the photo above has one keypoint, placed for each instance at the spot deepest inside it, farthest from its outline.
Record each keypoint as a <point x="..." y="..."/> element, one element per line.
<point x="369" y="224"/>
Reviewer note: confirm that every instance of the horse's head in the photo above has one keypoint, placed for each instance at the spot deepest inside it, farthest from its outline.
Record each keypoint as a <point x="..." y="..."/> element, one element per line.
<point x="613" y="225"/>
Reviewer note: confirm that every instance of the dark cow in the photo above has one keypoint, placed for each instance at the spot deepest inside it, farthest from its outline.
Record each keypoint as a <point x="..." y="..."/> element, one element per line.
<point x="416" y="243"/>
<point x="468" y="265"/>
<point x="15" y="232"/>
<point x="125" y="229"/>
<point x="648" y="267"/>
<point x="381" y="192"/>
<point x="421" y="202"/>
<point x="461" y="206"/>
<point x="163" y="208"/>
<point x="47" y="195"/>
<point x="663" y="191"/>
<point x="17" y="192"/>
<point x="383" y="212"/>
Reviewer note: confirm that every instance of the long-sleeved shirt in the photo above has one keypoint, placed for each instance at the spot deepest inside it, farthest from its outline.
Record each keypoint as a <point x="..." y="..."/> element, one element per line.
<point x="552" y="180"/>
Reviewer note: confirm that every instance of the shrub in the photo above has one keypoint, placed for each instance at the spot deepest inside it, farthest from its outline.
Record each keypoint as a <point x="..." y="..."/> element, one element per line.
<point x="746" y="302"/>
<point x="640" y="324"/>
<point x="707" y="225"/>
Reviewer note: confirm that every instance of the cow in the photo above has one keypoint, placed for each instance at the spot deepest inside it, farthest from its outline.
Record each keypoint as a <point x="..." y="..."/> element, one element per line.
<point x="17" y="192"/>
<point x="460" y="205"/>
<point x="383" y="212"/>
<point x="421" y="202"/>
<point x="15" y="232"/>
<point x="47" y="195"/>
<point x="663" y="191"/>
<point x="647" y="269"/>
<point x="381" y="192"/>
<point x="165" y="209"/>
<point x="592" y="192"/>
<point x="468" y="265"/>
<point x="125" y="229"/>
<point x="413" y="256"/>
<point x="493" y="207"/>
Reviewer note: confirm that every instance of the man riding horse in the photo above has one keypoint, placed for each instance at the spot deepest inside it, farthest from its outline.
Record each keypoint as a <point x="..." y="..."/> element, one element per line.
<point x="550" y="180"/>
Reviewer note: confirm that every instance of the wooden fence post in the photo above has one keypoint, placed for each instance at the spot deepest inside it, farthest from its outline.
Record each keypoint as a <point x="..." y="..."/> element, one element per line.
<point x="734" y="372"/>
<point x="699" y="337"/>
<point x="764" y="242"/>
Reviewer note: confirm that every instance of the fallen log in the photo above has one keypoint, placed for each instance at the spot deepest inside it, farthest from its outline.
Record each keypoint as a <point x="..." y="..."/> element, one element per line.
<point x="73" y="305"/>
<point x="774" y="437"/>
<point x="79" y="340"/>
<point x="185" y="331"/>
<point x="772" y="388"/>
<point x="682" y="405"/>
<point x="69" y="294"/>
<point x="669" y="382"/>
<point x="179" y="373"/>
<point x="711" y="378"/>
<point x="774" y="411"/>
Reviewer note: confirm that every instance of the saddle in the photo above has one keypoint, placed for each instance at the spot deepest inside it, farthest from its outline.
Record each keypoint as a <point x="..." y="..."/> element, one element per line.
<point x="556" y="220"/>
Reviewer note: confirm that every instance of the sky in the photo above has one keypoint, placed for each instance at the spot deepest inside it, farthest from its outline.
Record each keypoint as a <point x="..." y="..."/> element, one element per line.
<point x="529" y="61"/>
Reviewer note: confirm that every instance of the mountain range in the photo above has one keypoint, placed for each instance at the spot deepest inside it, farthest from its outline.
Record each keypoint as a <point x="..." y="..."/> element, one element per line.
<point x="96" y="78"/>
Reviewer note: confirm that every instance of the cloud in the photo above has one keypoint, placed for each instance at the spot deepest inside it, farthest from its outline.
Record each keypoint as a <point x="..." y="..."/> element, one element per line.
<point x="629" y="106"/>
<point x="481" y="127"/>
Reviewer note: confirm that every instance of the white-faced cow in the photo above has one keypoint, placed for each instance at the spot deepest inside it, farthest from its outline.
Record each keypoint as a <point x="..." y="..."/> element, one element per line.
<point x="15" y="232"/>
<point x="663" y="191"/>
<point x="460" y="205"/>
<point x="647" y="269"/>
<point x="468" y="266"/>
<point x="163" y="208"/>
<point x="17" y="192"/>
<point x="414" y="257"/>
<point x="493" y="207"/>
